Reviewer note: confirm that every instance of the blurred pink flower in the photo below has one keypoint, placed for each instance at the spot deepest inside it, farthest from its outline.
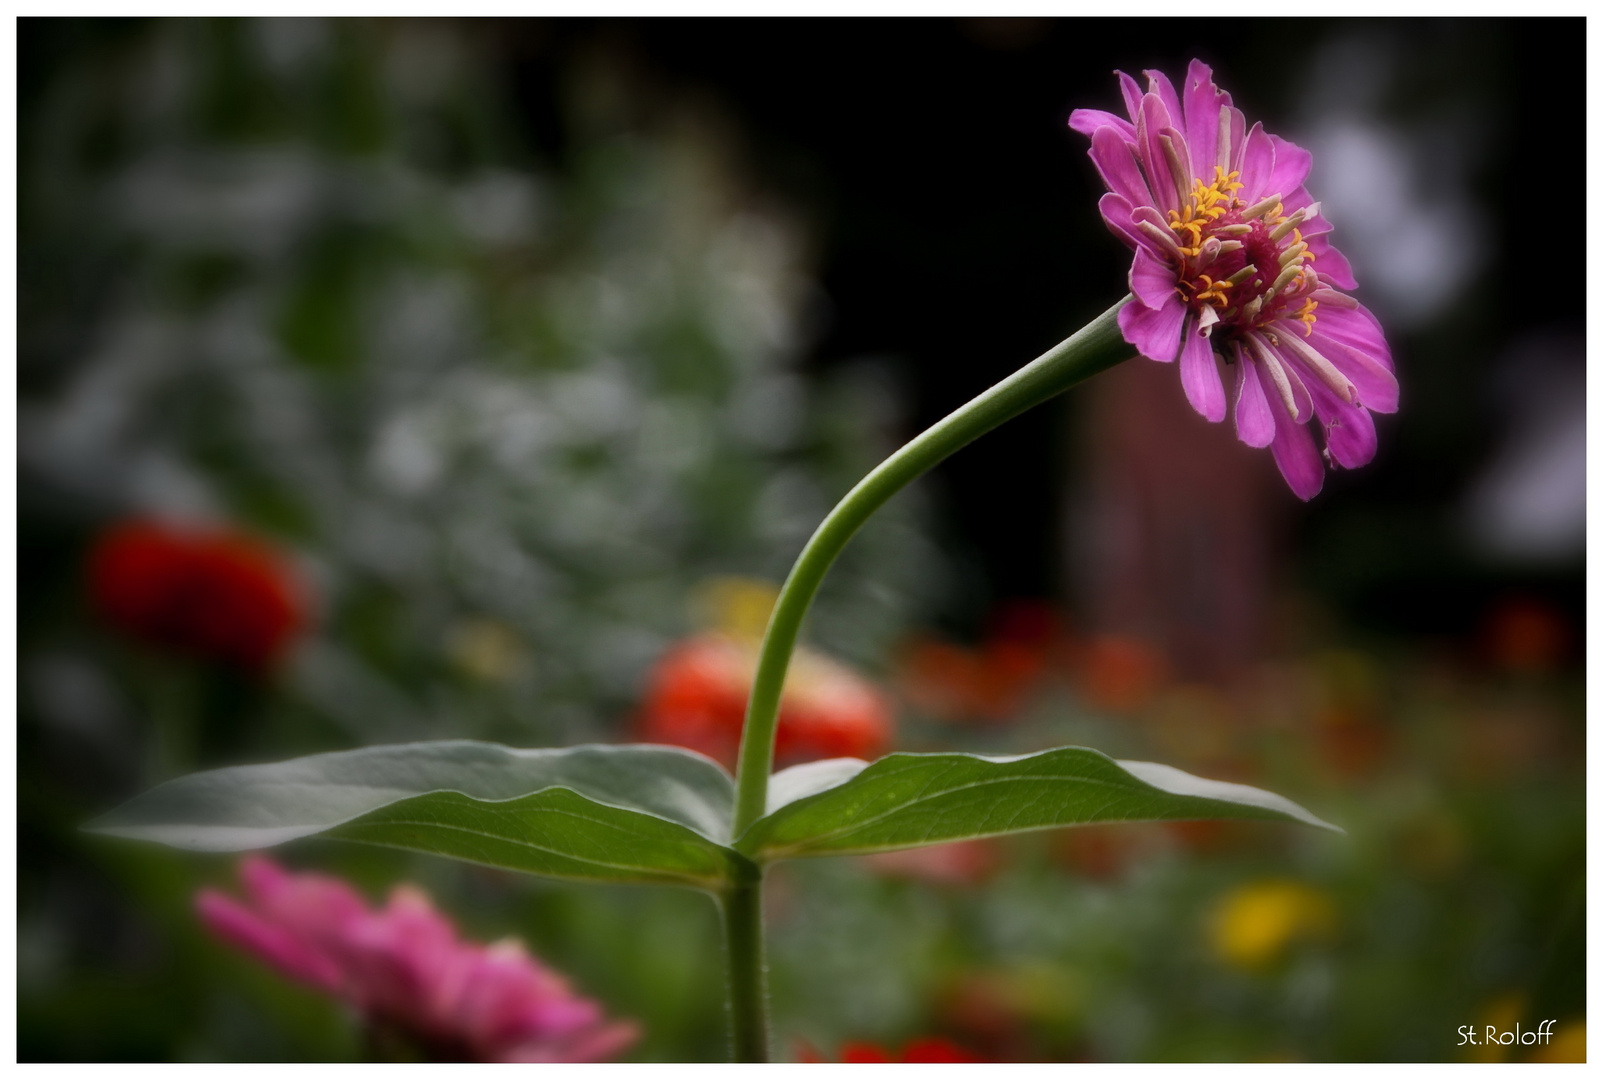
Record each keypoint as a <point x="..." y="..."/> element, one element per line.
<point x="403" y="966"/>
<point x="1226" y="237"/>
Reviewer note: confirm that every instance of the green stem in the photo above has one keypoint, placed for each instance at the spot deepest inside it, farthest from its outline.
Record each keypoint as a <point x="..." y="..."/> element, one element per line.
<point x="1096" y="347"/>
<point x="175" y="704"/>
<point x="742" y="908"/>
<point x="1099" y="345"/>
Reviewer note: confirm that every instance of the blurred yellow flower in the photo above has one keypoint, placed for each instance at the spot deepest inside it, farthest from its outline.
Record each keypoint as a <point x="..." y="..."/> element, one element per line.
<point x="1507" y="1014"/>
<point x="485" y="648"/>
<point x="736" y="607"/>
<point x="1501" y="1013"/>
<point x="1568" y="1045"/>
<point x="1251" y="926"/>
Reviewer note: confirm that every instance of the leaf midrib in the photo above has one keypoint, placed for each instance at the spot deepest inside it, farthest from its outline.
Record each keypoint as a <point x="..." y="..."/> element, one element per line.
<point x="656" y="872"/>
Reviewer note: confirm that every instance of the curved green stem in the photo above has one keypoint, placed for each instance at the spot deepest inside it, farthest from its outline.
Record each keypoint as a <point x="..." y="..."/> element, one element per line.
<point x="1099" y="345"/>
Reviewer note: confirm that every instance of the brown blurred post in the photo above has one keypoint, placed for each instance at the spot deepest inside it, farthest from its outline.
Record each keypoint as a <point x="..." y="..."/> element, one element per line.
<point x="1170" y="537"/>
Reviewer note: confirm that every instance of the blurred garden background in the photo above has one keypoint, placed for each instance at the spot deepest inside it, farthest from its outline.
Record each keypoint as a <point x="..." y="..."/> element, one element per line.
<point x="395" y="380"/>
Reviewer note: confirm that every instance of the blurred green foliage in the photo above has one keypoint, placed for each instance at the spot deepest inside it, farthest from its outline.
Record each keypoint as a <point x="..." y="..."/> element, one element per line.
<point x="304" y="276"/>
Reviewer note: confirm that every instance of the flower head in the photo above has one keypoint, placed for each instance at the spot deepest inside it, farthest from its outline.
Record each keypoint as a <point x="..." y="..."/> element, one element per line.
<point x="1233" y="262"/>
<point x="697" y="698"/>
<point x="214" y="594"/>
<point x="402" y="967"/>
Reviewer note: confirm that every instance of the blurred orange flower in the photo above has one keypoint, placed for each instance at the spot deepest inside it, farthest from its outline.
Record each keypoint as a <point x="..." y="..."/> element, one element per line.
<point x="211" y="593"/>
<point x="1120" y="674"/>
<point x="696" y="698"/>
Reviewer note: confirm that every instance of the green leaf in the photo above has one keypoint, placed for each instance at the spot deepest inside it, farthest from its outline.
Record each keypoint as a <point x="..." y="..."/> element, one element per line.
<point x="592" y="813"/>
<point x="908" y="800"/>
<point x="555" y="833"/>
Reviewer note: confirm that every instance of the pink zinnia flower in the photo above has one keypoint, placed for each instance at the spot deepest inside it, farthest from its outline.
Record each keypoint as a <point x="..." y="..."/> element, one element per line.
<point x="403" y="967"/>
<point x="1233" y="261"/>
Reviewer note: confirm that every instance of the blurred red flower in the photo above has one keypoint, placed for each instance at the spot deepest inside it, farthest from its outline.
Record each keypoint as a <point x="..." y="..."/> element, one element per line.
<point x="696" y="698"/>
<point x="403" y="967"/>
<point x="1527" y="636"/>
<point x="210" y="593"/>
<point x="927" y="1050"/>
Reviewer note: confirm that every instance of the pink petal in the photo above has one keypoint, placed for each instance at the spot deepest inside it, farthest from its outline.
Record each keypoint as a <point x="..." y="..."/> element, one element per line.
<point x="279" y="948"/>
<point x="597" y="1045"/>
<point x="1131" y="90"/>
<point x="1115" y="161"/>
<point x="1150" y="214"/>
<point x="404" y="962"/>
<point x="1116" y="216"/>
<point x="1299" y="388"/>
<point x="1349" y="429"/>
<point x="1090" y="121"/>
<point x="1374" y="382"/>
<point x="1255" y="423"/>
<point x="1121" y="220"/>
<point x="1151" y="279"/>
<point x="1199" y="375"/>
<point x="262" y="878"/>
<point x="1203" y="102"/>
<point x="1180" y="168"/>
<point x="1295" y="453"/>
<point x="311" y="905"/>
<point x="1356" y="327"/>
<point x="1155" y="333"/>
<point x="1271" y="372"/>
<point x="1158" y="83"/>
<point x="511" y="1013"/>
<point x="1311" y="364"/>
<point x="1331" y="264"/>
<point x="1150" y="125"/>
<point x="602" y="1043"/>
<point x="1292" y="163"/>
<point x="1257" y="164"/>
<point x="1238" y="137"/>
<point x="1312" y="225"/>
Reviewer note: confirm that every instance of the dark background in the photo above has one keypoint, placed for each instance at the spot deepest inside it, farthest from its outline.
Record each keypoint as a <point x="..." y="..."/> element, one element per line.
<point x="958" y="232"/>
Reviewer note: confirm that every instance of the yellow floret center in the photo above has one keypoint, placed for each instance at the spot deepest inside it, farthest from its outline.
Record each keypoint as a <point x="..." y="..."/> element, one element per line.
<point x="1208" y="202"/>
